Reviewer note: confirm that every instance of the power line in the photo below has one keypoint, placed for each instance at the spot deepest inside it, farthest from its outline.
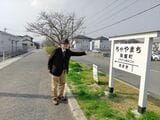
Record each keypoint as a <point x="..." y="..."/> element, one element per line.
<point x="125" y="19"/>
<point x="117" y="12"/>
<point x="86" y="5"/>
<point x="113" y="8"/>
<point x="106" y="7"/>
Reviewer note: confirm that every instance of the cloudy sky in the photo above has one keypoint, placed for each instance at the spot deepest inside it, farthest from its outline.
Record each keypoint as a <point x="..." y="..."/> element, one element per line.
<point x="14" y="14"/>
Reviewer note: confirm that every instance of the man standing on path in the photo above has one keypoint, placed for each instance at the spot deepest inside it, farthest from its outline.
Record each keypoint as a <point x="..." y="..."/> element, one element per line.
<point x="58" y="66"/>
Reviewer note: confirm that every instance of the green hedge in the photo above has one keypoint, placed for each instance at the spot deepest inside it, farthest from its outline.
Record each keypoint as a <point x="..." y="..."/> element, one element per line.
<point x="49" y="49"/>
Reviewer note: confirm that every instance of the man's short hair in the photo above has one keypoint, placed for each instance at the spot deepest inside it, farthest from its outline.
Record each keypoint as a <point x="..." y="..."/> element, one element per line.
<point x="66" y="41"/>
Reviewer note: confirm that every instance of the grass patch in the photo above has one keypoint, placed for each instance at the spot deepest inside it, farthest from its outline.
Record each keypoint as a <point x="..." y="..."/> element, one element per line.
<point x="97" y="106"/>
<point x="150" y="116"/>
<point x="130" y="115"/>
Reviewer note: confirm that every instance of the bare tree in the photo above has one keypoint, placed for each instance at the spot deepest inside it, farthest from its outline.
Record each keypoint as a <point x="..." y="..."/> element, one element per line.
<point x="56" y="26"/>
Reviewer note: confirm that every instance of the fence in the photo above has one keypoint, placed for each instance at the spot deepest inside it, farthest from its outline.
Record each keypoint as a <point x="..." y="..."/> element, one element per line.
<point x="6" y="54"/>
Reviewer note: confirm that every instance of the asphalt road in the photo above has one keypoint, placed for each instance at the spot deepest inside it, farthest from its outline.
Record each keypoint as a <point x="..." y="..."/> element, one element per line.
<point x="103" y="64"/>
<point x="25" y="91"/>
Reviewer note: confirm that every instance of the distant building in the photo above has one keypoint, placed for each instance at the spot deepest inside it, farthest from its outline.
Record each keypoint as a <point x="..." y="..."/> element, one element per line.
<point x="13" y="45"/>
<point x="8" y="43"/>
<point x="101" y="44"/>
<point x="82" y="42"/>
<point x="25" y="43"/>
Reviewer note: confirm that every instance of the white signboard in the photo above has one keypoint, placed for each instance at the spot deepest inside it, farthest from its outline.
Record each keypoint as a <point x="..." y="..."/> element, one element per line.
<point x="133" y="58"/>
<point x="95" y="72"/>
<point x="129" y="57"/>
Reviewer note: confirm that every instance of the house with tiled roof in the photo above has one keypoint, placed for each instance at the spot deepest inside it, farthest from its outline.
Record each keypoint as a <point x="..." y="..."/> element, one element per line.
<point x="81" y="42"/>
<point x="101" y="44"/>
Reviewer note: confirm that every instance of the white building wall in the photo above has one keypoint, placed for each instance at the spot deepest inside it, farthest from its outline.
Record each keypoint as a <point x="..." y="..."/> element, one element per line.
<point x="11" y="44"/>
<point x="82" y="44"/>
<point x="6" y="43"/>
<point x="97" y="44"/>
<point x="103" y="45"/>
<point x="91" y="45"/>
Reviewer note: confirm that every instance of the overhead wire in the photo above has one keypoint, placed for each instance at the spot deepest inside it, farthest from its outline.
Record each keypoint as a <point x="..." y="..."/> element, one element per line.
<point x="110" y="10"/>
<point x="116" y="13"/>
<point x="102" y="10"/>
<point x="86" y="5"/>
<point x="125" y="19"/>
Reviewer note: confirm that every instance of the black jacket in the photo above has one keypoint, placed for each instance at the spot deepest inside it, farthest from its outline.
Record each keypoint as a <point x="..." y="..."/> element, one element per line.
<point x="57" y="62"/>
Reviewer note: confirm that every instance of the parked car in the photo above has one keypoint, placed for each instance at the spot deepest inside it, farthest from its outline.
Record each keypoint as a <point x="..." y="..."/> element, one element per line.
<point x="155" y="57"/>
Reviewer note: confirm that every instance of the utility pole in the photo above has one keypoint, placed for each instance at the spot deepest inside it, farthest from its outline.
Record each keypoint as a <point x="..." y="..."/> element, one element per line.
<point x="3" y="51"/>
<point x="5" y="29"/>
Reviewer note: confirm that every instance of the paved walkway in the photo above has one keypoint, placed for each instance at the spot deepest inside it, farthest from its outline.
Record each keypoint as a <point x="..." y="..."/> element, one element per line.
<point x="25" y="91"/>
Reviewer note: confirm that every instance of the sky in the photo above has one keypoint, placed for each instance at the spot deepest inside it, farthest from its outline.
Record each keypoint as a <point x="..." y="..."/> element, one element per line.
<point x="15" y="14"/>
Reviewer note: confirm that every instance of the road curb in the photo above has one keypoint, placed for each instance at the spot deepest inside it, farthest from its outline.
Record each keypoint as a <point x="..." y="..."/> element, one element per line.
<point x="74" y="106"/>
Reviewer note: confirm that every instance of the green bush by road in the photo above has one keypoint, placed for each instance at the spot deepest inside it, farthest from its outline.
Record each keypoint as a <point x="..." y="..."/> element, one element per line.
<point x="49" y="49"/>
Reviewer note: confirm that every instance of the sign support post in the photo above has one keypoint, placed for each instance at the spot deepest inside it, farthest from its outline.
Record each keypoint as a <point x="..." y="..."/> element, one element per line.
<point x="145" y="76"/>
<point x="111" y="80"/>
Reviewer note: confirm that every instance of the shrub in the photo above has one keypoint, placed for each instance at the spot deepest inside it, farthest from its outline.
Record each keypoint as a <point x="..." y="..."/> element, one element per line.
<point x="76" y="67"/>
<point x="49" y="49"/>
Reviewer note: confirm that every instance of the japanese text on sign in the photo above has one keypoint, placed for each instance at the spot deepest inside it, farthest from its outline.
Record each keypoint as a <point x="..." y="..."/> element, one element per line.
<point x="126" y="57"/>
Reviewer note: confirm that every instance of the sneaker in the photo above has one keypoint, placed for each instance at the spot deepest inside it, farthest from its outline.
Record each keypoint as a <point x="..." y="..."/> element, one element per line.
<point x="55" y="101"/>
<point x="62" y="98"/>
